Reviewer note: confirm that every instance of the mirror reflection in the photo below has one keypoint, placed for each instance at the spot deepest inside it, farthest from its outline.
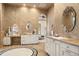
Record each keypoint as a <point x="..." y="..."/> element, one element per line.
<point x="69" y="19"/>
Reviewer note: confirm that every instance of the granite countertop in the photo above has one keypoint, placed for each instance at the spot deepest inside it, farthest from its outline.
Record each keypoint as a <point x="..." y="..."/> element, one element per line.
<point x="66" y="40"/>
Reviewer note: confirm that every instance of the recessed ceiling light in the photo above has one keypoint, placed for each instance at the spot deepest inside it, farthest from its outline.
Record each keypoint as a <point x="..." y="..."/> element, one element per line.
<point x="34" y="6"/>
<point x="24" y="4"/>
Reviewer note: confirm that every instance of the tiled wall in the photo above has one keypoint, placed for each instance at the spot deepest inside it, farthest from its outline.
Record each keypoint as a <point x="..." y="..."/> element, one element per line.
<point x="0" y="21"/>
<point x="20" y="16"/>
<point x="55" y="18"/>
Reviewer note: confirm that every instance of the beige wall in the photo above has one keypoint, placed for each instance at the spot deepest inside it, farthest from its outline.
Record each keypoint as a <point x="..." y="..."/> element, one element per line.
<point x="50" y="19"/>
<point x="0" y="17"/>
<point x="20" y="16"/>
<point x="0" y="21"/>
<point x="55" y="17"/>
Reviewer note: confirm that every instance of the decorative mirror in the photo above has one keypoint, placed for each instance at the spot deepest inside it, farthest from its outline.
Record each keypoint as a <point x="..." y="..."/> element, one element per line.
<point x="69" y="19"/>
<point x="29" y="26"/>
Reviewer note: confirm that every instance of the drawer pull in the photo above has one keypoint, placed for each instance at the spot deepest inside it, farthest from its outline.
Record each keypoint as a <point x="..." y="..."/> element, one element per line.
<point x="67" y="46"/>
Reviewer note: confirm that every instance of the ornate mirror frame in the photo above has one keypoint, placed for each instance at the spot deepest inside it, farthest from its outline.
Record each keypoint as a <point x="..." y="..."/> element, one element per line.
<point x="71" y="14"/>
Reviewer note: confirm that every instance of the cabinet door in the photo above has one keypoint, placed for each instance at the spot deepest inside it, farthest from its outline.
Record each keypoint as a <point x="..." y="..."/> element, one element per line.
<point x="6" y="41"/>
<point x="73" y="54"/>
<point x="34" y="39"/>
<point x="15" y="40"/>
<point x="66" y="52"/>
<point x="57" y="48"/>
<point x="69" y="50"/>
<point x="49" y="46"/>
<point x="52" y="49"/>
<point x="25" y="39"/>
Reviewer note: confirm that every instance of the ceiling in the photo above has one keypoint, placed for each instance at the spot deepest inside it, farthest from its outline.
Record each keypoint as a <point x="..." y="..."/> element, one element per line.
<point x="44" y="6"/>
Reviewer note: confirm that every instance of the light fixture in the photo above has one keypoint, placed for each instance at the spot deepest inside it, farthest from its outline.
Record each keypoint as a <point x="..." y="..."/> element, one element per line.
<point x="34" y="5"/>
<point x="24" y="4"/>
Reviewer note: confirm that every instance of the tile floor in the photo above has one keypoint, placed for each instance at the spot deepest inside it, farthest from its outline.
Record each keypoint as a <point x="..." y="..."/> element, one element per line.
<point x="39" y="47"/>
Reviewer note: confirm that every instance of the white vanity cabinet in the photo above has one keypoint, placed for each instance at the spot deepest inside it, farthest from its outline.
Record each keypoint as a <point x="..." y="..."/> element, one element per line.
<point x="52" y="46"/>
<point x="25" y="39"/>
<point x="29" y="39"/>
<point x="6" y="41"/>
<point x="66" y="52"/>
<point x="49" y="46"/>
<point x="56" y="47"/>
<point x="69" y="50"/>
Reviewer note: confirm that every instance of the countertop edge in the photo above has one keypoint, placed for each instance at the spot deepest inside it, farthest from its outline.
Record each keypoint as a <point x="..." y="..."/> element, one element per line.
<point x="64" y="41"/>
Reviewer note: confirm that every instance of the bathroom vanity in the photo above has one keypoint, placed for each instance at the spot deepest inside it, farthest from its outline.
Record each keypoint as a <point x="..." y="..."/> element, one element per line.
<point x="29" y="39"/>
<point x="22" y="39"/>
<point x="61" y="46"/>
<point x="15" y="40"/>
<point x="64" y="46"/>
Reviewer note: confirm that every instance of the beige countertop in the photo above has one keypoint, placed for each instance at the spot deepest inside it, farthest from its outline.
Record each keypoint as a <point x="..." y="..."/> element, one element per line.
<point x="66" y="40"/>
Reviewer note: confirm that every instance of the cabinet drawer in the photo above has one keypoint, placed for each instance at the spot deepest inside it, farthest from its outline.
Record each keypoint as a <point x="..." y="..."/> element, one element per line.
<point x="70" y="47"/>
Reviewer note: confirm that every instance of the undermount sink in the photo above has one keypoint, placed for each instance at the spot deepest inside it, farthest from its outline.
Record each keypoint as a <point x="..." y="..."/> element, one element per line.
<point x="69" y="38"/>
<point x="62" y="38"/>
<point x="58" y="37"/>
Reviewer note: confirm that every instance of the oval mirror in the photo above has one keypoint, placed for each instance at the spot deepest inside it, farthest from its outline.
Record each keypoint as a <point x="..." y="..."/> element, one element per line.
<point x="69" y="19"/>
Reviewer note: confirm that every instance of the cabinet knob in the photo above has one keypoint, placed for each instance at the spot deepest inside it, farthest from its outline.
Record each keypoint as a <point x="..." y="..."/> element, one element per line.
<point x="67" y="46"/>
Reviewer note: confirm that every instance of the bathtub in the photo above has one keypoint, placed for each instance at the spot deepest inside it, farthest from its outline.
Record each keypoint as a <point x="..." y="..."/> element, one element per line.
<point x="20" y="51"/>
